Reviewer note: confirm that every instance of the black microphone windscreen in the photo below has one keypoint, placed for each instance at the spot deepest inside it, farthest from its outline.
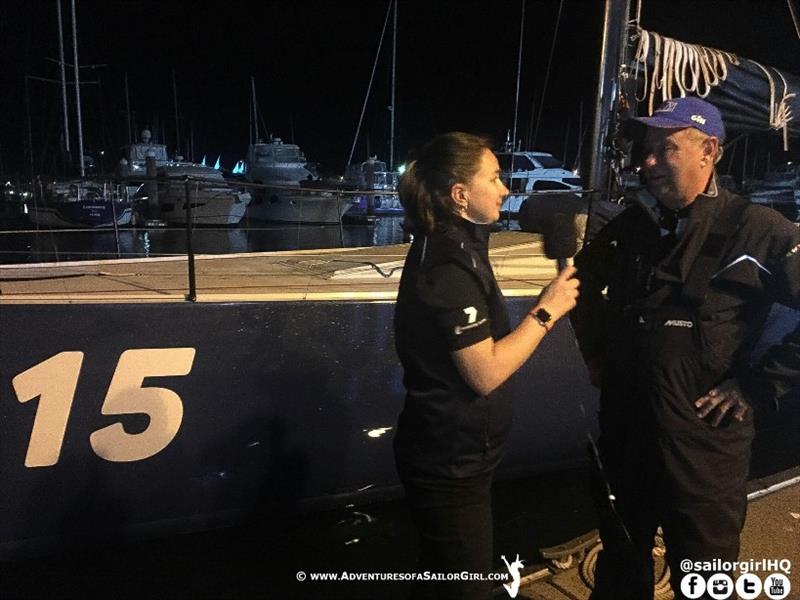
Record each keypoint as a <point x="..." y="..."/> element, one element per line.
<point x="560" y="237"/>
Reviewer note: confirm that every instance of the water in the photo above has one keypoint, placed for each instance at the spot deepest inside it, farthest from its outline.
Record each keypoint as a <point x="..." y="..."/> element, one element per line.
<point x="28" y="245"/>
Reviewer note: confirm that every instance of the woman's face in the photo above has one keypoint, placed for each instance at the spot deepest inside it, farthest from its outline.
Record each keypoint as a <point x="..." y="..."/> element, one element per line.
<point x="481" y="197"/>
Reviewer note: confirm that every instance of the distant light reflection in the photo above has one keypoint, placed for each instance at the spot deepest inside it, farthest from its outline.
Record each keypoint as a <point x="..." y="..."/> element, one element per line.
<point x="376" y="433"/>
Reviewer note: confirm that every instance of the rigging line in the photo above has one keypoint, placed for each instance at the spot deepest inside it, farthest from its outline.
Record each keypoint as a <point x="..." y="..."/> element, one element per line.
<point x="547" y="74"/>
<point x="371" y="78"/>
<point x="794" y="17"/>
<point x="516" y="108"/>
<point x="519" y="73"/>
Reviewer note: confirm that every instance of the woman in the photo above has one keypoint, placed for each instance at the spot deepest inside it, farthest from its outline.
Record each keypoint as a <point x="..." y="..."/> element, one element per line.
<point x="457" y="349"/>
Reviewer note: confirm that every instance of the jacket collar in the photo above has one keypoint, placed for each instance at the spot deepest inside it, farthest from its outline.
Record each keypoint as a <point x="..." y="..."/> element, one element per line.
<point x="469" y="232"/>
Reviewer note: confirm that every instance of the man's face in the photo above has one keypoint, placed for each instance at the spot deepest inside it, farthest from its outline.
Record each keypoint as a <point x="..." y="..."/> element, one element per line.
<point x="677" y="165"/>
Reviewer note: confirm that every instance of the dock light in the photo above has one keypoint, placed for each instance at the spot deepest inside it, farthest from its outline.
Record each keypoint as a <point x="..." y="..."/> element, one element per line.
<point x="376" y="433"/>
<point x="401" y="169"/>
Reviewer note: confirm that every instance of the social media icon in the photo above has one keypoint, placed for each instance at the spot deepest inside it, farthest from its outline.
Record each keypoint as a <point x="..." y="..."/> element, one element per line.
<point x="777" y="586"/>
<point x="693" y="586"/>
<point x="748" y="586"/>
<point x="719" y="586"/>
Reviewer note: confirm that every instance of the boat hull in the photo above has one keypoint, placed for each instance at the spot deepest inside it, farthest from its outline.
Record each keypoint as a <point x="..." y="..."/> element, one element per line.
<point x="80" y="214"/>
<point x="290" y="206"/>
<point x="123" y="420"/>
<point x="304" y="423"/>
<point x="209" y="207"/>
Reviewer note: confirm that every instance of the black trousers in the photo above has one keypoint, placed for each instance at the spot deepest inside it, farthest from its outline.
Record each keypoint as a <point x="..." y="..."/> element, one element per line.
<point x="453" y="518"/>
<point x="699" y="522"/>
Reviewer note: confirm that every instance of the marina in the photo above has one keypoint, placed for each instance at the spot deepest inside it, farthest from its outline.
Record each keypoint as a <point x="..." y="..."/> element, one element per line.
<point x="199" y="381"/>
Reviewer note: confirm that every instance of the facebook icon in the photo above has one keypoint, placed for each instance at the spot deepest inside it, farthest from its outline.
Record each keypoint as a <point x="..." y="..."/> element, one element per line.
<point x="693" y="586"/>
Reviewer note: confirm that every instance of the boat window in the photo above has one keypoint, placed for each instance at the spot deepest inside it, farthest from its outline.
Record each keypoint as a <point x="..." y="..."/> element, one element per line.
<point x="548" y="162"/>
<point x="139" y="152"/>
<point x="289" y="155"/>
<point x="518" y="184"/>
<point x="521" y="163"/>
<point x="549" y="184"/>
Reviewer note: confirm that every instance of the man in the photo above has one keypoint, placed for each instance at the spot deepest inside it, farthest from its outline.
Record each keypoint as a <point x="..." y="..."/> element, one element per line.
<point x="691" y="272"/>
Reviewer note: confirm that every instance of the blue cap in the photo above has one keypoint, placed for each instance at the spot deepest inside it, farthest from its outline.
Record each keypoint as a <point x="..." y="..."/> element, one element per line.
<point x="687" y="112"/>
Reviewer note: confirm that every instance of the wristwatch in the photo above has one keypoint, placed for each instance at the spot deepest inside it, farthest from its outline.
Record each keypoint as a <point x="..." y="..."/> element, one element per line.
<point x="543" y="317"/>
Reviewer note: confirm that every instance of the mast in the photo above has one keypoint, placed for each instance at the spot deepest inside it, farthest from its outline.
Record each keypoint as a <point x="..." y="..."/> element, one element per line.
<point x="253" y="110"/>
<point x="394" y="74"/>
<point x="30" y="129"/>
<point x="547" y="73"/>
<point x="519" y="73"/>
<point x="177" y="121"/>
<point x="577" y="163"/>
<point x="614" y="30"/>
<point x="128" y="110"/>
<point x="77" y="88"/>
<point x="369" y="85"/>
<point x="63" y="83"/>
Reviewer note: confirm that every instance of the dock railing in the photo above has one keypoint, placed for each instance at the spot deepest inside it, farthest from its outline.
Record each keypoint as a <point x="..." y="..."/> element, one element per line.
<point x="137" y="219"/>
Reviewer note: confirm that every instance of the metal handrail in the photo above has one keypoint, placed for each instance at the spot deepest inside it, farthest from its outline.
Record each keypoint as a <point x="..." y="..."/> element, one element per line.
<point x="187" y="181"/>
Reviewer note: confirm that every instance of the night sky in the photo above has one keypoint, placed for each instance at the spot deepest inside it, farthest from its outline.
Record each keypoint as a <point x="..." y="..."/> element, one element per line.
<point x="456" y="69"/>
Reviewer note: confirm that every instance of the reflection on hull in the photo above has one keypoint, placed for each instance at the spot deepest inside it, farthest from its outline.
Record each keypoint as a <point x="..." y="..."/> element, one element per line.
<point x="288" y="206"/>
<point x="209" y="207"/>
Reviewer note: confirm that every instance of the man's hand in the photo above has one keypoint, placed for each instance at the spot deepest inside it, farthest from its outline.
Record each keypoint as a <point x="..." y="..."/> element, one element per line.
<point x="726" y="397"/>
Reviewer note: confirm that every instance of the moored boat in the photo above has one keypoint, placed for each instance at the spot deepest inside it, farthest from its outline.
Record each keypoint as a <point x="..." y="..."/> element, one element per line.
<point x="526" y="172"/>
<point x="213" y="200"/>
<point x="379" y="187"/>
<point x="779" y="189"/>
<point x="79" y="204"/>
<point x="291" y="189"/>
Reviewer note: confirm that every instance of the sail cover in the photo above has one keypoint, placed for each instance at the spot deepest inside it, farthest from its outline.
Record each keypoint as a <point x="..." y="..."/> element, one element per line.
<point x="752" y="97"/>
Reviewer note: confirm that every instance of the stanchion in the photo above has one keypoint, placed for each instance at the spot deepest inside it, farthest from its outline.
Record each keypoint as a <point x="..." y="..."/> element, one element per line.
<point x="339" y="218"/>
<point x="192" y="296"/>
<point x="114" y="217"/>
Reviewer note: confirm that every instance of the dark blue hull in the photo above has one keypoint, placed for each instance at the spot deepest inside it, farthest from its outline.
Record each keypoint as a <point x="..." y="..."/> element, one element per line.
<point x="285" y="405"/>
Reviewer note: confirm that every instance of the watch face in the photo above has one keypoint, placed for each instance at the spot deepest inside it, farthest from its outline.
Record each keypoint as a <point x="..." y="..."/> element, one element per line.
<point x="543" y="315"/>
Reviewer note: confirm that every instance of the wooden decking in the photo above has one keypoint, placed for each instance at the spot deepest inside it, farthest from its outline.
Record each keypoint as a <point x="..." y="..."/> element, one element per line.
<point x="369" y="273"/>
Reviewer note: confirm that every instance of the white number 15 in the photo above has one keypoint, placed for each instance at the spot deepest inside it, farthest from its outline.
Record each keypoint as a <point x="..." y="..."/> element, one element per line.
<point x="54" y="381"/>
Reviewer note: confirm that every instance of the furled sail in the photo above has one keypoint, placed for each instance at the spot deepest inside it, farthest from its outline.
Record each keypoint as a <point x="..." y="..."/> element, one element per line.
<point x="752" y="97"/>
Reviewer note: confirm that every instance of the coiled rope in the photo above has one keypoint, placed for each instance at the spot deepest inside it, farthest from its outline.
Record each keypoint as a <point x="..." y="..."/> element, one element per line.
<point x="779" y="112"/>
<point x="696" y="69"/>
<point x="690" y="68"/>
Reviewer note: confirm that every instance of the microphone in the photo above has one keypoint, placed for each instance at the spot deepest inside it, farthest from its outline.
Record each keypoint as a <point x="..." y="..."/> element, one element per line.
<point x="560" y="239"/>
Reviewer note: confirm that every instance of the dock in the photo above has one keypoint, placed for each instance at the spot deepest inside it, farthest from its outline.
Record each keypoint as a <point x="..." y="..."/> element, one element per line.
<point x="367" y="273"/>
<point x="771" y="531"/>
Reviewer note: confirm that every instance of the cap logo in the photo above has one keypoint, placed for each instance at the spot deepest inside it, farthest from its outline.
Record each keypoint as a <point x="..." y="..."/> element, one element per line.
<point x="668" y="106"/>
<point x="698" y="119"/>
